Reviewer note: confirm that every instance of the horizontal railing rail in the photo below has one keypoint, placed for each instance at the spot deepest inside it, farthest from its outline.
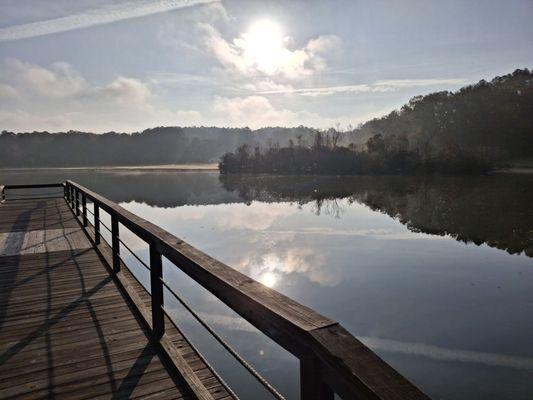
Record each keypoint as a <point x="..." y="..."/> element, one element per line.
<point x="5" y="188"/>
<point x="331" y="359"/>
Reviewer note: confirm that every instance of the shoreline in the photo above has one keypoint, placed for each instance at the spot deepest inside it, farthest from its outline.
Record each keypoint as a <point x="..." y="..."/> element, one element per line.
<point x="151" y="168"/>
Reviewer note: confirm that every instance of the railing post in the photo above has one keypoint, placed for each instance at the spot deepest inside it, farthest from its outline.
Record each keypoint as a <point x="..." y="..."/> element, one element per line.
<point x="71" y="196"/>
<point x="115" y="244"/>
<point x="77" y="201"/>
<point x="96" y="223"/>
<point x="156" y="274"/>
<point x="65" y="195"/>
<point x="84" y="208"/>
<point x="312" y="387"/>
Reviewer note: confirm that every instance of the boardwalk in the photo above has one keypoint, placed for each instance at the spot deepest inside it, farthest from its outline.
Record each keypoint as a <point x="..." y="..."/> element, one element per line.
<point x="67" y="329"/>
<point x="76" y="324"/>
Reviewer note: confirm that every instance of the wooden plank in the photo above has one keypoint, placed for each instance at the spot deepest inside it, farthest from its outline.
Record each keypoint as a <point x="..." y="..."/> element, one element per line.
<point x="51" y="301"/>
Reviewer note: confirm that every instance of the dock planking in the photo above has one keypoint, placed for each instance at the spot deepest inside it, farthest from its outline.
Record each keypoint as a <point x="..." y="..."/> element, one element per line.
<point x="68" y="328"/>
<point x="76" y="323"/>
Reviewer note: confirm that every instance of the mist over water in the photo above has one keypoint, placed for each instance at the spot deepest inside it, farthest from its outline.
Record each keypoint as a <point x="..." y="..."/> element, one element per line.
<point x="433" y="273"/>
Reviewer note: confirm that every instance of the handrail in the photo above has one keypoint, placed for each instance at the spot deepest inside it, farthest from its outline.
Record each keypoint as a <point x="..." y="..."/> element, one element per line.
<point x="331" y="359"/>
<point x="34" y="186"/>
<point x="3" y="188"/>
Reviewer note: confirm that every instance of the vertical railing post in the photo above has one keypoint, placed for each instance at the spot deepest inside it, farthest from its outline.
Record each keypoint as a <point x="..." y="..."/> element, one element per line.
<point x="312" y="387"/>
<point x="71" y="196"/>
<point x="156" y="283"/>
<point x="84" y="208"/>
<point x="115" y="244"/>
<point x="65" y="194"/>
<point x="77" y="201"/>
<point x="96" y="223"/>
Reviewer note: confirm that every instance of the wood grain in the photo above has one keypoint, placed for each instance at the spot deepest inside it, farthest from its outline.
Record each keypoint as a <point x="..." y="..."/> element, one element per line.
<point x="67" y="329"/>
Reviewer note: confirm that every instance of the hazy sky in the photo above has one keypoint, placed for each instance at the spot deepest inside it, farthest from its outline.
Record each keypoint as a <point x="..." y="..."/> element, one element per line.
<point x="128" y="65"/>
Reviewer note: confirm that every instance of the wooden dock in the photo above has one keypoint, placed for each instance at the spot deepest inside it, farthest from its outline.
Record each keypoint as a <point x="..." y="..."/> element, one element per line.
<point x="76" y="324"/>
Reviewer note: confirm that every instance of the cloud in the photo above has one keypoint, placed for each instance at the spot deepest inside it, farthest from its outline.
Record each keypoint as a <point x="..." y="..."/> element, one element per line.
<point x="265" y="52"/>
<point x="400" y="83"/>
<point x="376" y="87"/>
<point x="258" y="111"/>
<point x="58" y="97"/>
<point x="57" y="81"/>
<point x="7" y="91"/>
<point x="96" y="16"/>
<point x="252" y="111"/>
<point x="126" y="92"/>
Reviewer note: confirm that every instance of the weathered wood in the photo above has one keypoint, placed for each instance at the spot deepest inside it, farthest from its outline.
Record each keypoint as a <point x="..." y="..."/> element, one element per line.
<point x="96" y="223"/>
<point x="156" y="274"/>
<point x="34" y="186"/>
<point x="68" y="328"/>
<point x="312" y="386"/>
<point x="84" y="208"/>
<point x="136" y="292"/>
<point x="77" y="200"/>
<point x="346" y="364"/>
<point x="115" y="243"/>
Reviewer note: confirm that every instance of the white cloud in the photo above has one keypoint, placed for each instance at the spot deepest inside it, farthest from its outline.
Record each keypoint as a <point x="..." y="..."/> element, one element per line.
<point x="7" y="91"/>
<point x="58" y="97"/>
<point x="252" y="111"/>
<point x="57" y="81"/>
<point x="376" y="87"/>
<point x="264" y="51"/>
<point x="258" y="111"/>
<point x="96" y="16"/>
<point x="400" y="83"/>
<point x="126" y="92"/>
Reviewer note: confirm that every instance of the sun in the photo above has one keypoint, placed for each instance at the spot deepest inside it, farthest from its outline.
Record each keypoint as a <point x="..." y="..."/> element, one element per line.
<point x="268" y="279"/>
<point x="263" y="46"/>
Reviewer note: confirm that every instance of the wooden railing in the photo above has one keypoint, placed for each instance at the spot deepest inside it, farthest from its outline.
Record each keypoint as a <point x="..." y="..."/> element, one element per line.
<point x="5" y="188"/>
<point x="331" y="359"/>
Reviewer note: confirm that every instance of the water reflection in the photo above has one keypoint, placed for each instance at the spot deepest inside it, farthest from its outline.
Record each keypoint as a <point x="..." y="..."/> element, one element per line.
<point x="385" y="256"/>
<point x="492" y="209"/>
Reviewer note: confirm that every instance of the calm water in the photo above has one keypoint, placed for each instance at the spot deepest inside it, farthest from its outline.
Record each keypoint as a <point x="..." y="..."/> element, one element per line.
<point x="434" y="274"/>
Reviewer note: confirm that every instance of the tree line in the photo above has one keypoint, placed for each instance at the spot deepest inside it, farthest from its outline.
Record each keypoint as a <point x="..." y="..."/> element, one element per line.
<point x="469" y="131"/>
<point x="483" y="123"/>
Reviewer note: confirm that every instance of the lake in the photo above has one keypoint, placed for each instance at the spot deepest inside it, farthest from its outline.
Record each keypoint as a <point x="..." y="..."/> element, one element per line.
<point x="435" y="274"/>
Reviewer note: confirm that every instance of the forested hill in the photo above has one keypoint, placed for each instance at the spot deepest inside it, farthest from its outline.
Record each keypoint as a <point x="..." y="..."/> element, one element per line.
<point x="162" y="145"/>
<point x="496" y="116"/>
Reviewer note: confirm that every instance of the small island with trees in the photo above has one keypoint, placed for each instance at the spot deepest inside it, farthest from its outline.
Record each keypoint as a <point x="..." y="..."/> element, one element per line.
<point x="474" y="130"/>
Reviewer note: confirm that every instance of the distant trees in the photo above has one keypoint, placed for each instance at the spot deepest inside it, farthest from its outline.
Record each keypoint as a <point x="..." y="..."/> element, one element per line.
<point x="469" y="131"/>
<point x="161" y="145"/>
<point x="486" y="121"/>
<point x="382" y="155"/>
<point x="493" y="117"/>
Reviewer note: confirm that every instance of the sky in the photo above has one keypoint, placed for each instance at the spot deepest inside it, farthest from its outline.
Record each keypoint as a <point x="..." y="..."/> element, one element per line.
<point x="125" y="66"/>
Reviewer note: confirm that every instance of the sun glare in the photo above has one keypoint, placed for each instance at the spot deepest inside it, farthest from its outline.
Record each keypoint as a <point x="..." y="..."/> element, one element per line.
<point x="268" y="279"/>
<point x="263" y="45"/>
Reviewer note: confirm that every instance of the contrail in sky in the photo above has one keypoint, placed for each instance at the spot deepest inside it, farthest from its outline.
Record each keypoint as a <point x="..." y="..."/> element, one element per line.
<point x="95" y="16"/>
